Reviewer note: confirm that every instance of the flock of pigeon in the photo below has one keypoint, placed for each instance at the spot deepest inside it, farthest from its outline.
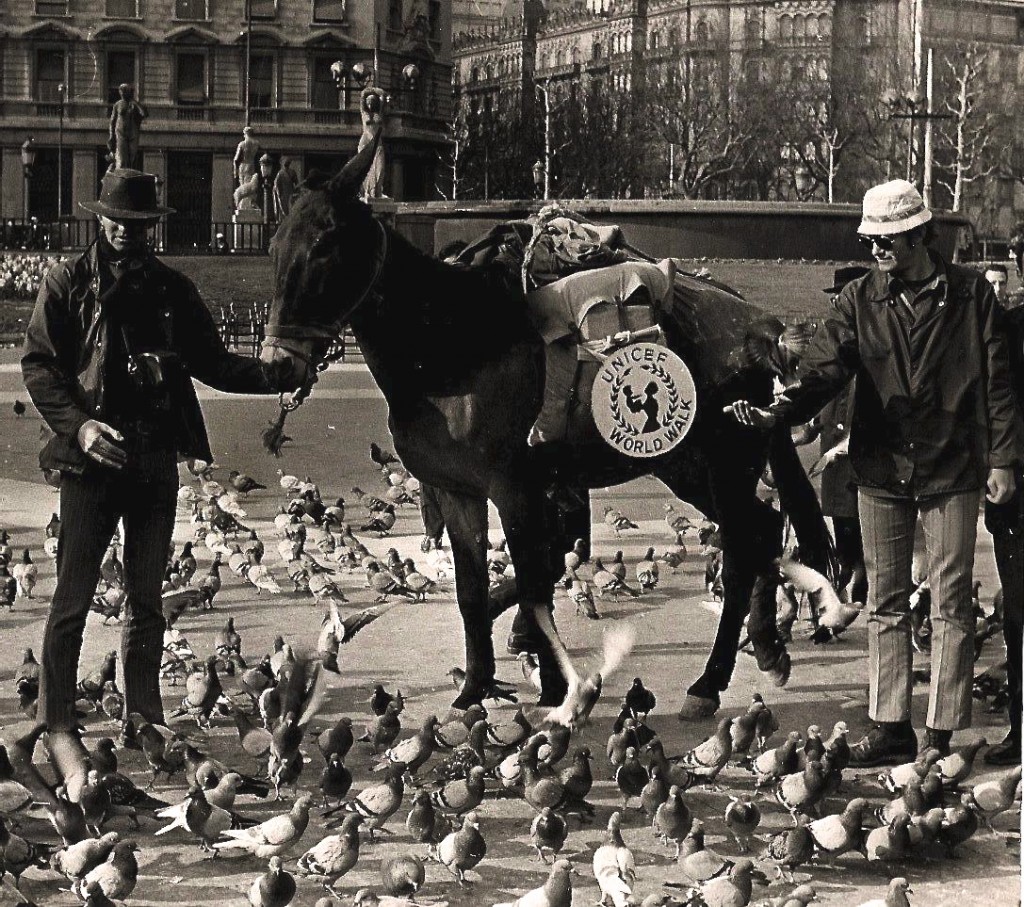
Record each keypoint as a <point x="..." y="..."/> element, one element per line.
<point x="788" y="801"/>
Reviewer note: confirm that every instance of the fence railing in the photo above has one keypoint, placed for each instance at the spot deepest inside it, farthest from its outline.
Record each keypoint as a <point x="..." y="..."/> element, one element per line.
<point x="180" y="236"/>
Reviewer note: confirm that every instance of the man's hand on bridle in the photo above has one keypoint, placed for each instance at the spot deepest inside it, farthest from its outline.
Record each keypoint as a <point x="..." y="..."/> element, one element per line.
<point x="747" y="414"/>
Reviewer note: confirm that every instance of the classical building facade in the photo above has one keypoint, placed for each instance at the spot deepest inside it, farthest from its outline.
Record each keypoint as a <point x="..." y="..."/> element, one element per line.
<point x="62" y="60"/>
<point x="730" y="47"/>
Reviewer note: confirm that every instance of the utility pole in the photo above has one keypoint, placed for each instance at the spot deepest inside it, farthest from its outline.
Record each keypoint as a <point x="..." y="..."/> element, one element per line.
<point x="248" y="56"/>
<point x="62" y="90"/>
<point x="929" y="151"/>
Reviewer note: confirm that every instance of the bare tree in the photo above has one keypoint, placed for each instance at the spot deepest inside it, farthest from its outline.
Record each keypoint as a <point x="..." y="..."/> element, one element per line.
<point x="452" y="175"/>
<point x="969" y="138"/>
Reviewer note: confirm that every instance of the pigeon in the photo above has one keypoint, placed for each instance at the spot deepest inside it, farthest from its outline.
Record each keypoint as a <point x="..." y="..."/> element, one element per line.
<point x="955" y="767"/>
<point x="583" y="692"/>
<point x="461" y="795"/>
<point x="672" y="819"/>
<point x="959" y="823"/>
<point x="647" y="572"/>
<point x="117" y="876"/>
<point x="19" y="408"/>
<point x="708" y="758"/>
<point x="274" y="888"/>
<point x="789" y="850"/>
<point x="835" y="835"/>
<point x="403" y="874"/>
<point x="200" y="818"/>
<point x="25" y="574"/>
<point x="900" y="776"/>
<point x="896" y="896"/>
<point x="336" y="739"/>
<point x="548" y="833"/>
<point x="617" y="521"/>
<point x="609" y="584"/>
<point x="243" y="483"/>
<point x="733" y="890"/>
<point x="990" y="798"/>
<point x="639" y="700"/>
<point x="699" y="863"/>
<point x="614" y="866"/>
<point x="19" y="854"/>
<point x="743" y="728"/>
<point x="26" y="679"/>
<point x="423" y="822"/>
<point x="742" y="817"/>
<point x="577" y="780"/>
<point x="800" y="792"/>
<point x="333" y="856"/>
<point x="377" y="803"/>
<point x="385" y="729"/>
<point x="555" y="892"/>
<point x="76" y="861"/>
<point x="461" y="850"/>
<point x="655" y="793"/>
<point x="889" y="842"/>
<point x="674" y="772"/>
<point x="772" y="765"/>
<point x="414" y="751"/>
<point x="276" y="836"/>
<point x="833" y="614"/>
<point x="630" y="777"/>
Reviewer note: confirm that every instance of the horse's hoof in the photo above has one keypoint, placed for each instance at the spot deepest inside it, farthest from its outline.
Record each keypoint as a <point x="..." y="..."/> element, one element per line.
<point x="467" y="698"/>
<point x="779" y="672"/>
<point x="696" y="707"/>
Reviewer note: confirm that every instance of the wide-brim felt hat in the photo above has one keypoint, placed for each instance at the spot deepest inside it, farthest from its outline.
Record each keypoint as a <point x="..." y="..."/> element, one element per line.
<point x="128" y="195"/>
<point x="842" y="276"/>
<point x="893" y="207"/>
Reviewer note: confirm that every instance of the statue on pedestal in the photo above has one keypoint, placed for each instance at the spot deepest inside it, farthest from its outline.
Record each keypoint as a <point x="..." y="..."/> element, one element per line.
<point x="126" y="116"/>
<point x="247" y="172"/>
<point x="372" y="107"/>
<point x="285" y="184"/>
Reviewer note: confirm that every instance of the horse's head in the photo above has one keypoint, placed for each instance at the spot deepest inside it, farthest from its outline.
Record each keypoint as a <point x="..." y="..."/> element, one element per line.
<point x="326" y="255"/>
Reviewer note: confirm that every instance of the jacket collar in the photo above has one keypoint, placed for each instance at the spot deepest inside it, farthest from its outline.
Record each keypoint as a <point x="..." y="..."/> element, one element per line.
<point x="879" y="288"/>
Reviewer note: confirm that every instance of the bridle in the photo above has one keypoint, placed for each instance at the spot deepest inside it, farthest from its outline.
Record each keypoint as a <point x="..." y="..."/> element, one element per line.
<point x="299" y="340"/>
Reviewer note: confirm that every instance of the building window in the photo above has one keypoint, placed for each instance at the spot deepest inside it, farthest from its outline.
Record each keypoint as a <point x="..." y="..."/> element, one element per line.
<point x="434" y="13"/>
<point x="323" y="93"/>
<point x="190" y="79"/>
<point x="51" y="7"/>
<point x="263" y="9"/>
<point x="120" y="70"/>
<point x="191" y="9"/>
<point x="328" y="10"/>
<point x="701" y="32"/>
<point x="597" y="50"/>
<point x="786" y="28"/>
<point x="824" y="25"/>
<point x="395" y="15"/>
<point x="261" y="80"/>
<point x="654" y="39"/>
<point x="474" y="73"/>
<point x="122" y="9"/>
<point x="49" y="74"/>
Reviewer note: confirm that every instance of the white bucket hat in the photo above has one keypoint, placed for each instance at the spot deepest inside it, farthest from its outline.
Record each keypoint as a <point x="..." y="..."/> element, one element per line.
<point x="893" y="207"/>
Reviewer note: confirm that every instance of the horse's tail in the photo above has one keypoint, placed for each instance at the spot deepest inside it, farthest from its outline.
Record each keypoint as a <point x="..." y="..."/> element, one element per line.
<point x="800" y="502"/>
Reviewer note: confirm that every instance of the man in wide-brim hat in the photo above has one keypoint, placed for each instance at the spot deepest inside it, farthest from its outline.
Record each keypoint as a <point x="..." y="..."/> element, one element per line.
<point x="114" y="340"/>
<point x="934" y="427"/>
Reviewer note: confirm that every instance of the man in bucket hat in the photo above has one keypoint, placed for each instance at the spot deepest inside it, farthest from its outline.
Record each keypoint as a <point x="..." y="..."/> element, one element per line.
<point x="112" y="345"/>
<point x="934" y="426"/>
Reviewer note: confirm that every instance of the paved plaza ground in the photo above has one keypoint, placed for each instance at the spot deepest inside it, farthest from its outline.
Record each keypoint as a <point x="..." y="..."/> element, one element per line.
<point x="415" y="644"/>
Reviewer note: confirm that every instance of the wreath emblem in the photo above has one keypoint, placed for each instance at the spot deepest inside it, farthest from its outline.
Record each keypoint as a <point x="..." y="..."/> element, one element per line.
<point x="649" y="417"/>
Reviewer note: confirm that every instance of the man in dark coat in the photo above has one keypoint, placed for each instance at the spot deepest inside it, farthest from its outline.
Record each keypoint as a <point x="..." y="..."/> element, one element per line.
<point x="934" y="425"/>
<point x="1005" y="522"/>
<point x="112" y="345"/>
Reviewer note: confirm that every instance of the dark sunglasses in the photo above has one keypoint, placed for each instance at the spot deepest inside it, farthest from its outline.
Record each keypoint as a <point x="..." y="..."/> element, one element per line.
<point x="885" y="243"/>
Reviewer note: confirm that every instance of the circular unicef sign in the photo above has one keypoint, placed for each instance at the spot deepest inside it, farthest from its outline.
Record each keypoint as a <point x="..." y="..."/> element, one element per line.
<point x="644" y="400"/>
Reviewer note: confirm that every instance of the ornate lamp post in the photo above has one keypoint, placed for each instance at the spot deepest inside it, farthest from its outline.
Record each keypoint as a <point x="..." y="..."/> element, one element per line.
<point x="28" y="162"/>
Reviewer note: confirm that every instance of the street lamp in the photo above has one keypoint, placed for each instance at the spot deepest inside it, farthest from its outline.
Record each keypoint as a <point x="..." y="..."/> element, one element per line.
<point x="62" y="90"/>
<point x="538" y="178"/>
<point x="28" y="161"/>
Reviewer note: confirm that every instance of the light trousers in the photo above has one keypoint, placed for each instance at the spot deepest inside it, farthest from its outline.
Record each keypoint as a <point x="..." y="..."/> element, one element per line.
<point x="950" y="524"/>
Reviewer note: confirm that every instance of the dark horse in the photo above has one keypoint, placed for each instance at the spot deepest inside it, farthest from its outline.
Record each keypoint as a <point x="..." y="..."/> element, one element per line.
<point x="462" y="370"/>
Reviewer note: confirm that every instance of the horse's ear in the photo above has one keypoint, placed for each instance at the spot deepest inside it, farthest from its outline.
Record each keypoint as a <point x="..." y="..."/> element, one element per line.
<point x="345" y="184"/>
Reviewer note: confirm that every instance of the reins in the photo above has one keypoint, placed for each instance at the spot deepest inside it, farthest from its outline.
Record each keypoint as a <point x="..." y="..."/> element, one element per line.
<point x="273" y="437"/>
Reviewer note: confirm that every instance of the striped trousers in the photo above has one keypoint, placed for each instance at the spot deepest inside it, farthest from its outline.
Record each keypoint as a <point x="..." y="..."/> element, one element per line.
<point x="90" y="508"/>
<point x="950" y="524"/>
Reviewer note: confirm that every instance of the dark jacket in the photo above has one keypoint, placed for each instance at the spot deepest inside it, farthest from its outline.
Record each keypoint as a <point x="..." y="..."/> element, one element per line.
<point x="67" y="341"/>
<point x="838" y="488"/>
<point x="933" y="407"/>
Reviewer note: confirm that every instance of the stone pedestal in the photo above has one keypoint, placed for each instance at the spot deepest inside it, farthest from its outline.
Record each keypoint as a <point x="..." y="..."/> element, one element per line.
<point x="248" y="230"/>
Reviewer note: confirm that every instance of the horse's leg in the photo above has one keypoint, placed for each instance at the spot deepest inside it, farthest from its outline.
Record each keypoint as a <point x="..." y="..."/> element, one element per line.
<point x="519" y="497"/>
<point x="466" y="518"/>
<point x="433" y="519"/>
